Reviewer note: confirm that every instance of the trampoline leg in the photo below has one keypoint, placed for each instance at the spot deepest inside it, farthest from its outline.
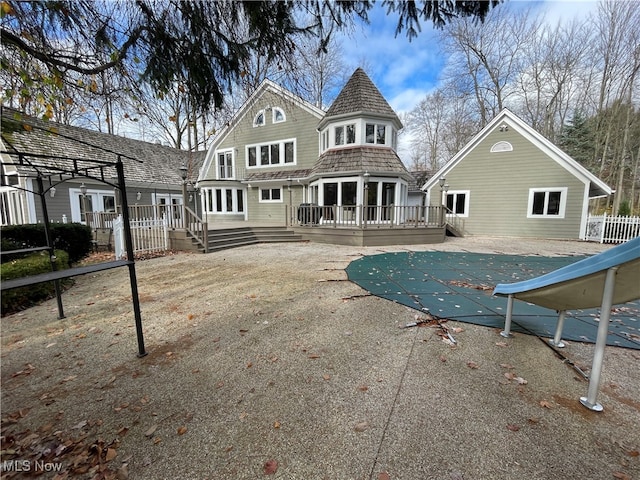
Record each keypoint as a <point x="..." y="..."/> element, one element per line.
<point x="557" y="340"/>
<point x="603" y="328"/>
<point x="507" y="321"/>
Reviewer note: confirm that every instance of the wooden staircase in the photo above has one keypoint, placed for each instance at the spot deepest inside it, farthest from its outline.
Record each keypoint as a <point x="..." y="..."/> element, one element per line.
<point x="226" y="238"/>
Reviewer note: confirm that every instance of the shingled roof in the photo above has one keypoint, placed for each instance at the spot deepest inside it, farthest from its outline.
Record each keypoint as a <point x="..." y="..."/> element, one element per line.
<point x="360" y="96"/>
<point x="359" y="160"/>
<point x="142" y="161"/>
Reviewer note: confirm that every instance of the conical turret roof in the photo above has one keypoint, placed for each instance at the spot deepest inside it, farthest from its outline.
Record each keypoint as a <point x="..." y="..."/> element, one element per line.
<point x="360" y="96"/>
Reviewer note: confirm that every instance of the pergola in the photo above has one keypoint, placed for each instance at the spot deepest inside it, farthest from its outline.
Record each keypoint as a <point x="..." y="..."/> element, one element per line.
<point x="56" y="170"/>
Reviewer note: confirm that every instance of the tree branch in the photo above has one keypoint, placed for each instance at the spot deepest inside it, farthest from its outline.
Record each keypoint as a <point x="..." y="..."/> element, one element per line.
<point x="10" y="38"/>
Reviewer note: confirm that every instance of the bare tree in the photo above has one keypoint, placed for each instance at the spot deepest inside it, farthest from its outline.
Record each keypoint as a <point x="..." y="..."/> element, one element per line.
<point x="555" y="76"/>
<point x="617" y="44"/>
<point x="488" y="55"/>
<point x="425" y="123"/>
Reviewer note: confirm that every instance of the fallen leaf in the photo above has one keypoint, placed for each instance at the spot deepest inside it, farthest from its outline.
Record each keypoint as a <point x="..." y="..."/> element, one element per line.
<point x="326" y="376"/>
<point x="443" y="358"/>
<point x="123" y="472"/>
<point x="521" y="381"/>
<point x="157" y="440"/>
<point x="270" y="467"/>
<point x="545" y="404"/>
<point x="509" y="375"/>
<point x="633" y="453"/>
<point x="111" y="454"/>
<point x="313" y="355"/>
<point x="384" y="476"/>
<point x="276" y="424"/>
<point x="507" y="365"/>
<point x="182" y="430"/>
<point x="80" y="425"/>
<point x="361" y="427"/>
<point x="502" y="344"/>
<point x="249" y="364"/>
<point x="457" y="329"/>
<point x="363" y="388"/>
<point x="621" y="476"/>
<point x="151" y="431"/>
<point x="123" y="431"/>
<point x="472" y="365"/>
<point x="513" y="428"/>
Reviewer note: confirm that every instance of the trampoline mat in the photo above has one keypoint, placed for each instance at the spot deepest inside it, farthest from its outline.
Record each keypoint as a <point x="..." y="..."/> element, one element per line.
<point x="458" y="286"/>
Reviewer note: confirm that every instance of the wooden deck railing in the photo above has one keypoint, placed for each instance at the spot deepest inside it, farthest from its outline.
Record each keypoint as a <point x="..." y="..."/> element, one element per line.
<point x="360" y="216"/>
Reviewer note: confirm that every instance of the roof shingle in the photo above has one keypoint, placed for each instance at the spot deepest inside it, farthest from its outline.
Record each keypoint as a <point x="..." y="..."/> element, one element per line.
<point x="156" y="163"/>
<point x="360" y="95"/>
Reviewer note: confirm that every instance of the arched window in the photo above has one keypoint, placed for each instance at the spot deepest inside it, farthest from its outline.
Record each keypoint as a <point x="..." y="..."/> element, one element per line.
<point x="278" y="115"/>
<point x="258" y="120"/>
<point x="501" y="147"/>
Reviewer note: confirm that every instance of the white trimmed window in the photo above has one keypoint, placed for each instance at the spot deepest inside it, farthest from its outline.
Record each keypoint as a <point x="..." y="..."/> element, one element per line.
<point x="501" y="147"/>
<point x="345" y="134"/>
<point x="376" y="134"/>
<point x="225" y="164"/>
<point x="223" y="200"/>
<point x="93" y="201"/>
<point x="547" y="202"/>
<point x="457" y="202"/>
<point x="271" y="195"/>
<point x="271" y="154"/>
<point x="278" y="115"/>
<point x="325" y="140"/>
<point x="259" y="119"/>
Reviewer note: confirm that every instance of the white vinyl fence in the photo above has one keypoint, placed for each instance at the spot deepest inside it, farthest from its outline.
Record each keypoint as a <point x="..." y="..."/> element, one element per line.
<point x="147" y="235"/>
<point x="609" y="229"/>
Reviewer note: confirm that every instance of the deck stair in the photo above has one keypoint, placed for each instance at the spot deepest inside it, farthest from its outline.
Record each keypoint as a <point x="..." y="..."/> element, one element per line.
<point x="222" y="239"/>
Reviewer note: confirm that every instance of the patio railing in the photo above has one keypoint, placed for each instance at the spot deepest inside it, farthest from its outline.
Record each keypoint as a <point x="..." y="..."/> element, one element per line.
<point x="361" y="216"/>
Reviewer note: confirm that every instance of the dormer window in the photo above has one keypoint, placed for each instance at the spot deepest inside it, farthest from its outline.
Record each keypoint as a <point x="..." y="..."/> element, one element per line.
<point x="376" y="134"/>
<point x="278" y="115"/>
<point x="258" y="120"/>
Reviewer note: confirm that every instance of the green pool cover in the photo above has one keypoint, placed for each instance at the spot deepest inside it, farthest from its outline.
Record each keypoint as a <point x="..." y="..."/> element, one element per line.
<point x="458" y="286"/>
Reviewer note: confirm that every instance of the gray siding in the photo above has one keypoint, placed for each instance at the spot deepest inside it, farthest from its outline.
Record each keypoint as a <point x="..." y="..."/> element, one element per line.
<point x="499" y="184"/>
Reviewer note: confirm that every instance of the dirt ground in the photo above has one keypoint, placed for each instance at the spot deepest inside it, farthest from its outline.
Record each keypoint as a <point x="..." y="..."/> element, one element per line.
<point x="266" y="360"/>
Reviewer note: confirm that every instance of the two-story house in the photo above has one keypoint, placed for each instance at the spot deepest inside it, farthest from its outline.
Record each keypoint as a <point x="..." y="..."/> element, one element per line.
<point x="280" y="152"/>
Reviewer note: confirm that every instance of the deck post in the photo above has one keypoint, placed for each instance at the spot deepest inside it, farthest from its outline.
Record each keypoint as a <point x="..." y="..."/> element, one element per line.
<point x="557" y="339"/>
<point x="507" y="321"/>
<point x="601" y="340"/>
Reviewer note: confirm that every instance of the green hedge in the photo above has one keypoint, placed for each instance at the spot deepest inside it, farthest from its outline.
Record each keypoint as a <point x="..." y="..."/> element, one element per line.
<point x="18" y="299"/>
<point x="73" y="238"/>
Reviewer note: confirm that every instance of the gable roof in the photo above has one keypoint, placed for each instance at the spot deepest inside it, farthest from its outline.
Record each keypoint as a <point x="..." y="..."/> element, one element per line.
<point x="266" y="86"/>
<point x="143" y="162"/>
<point x="360" y="97"/>
<point x="597" y="187"/>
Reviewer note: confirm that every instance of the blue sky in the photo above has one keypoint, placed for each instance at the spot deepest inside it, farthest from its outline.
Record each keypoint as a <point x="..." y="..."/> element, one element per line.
<point x="404" y="71"/>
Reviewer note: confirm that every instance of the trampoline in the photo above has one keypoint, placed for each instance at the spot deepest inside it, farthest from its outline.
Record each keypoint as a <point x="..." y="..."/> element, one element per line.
<point x="459" y="285"/>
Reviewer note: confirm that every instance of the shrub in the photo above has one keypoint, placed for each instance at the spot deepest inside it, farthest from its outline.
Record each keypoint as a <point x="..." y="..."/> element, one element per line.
<point x="73" y="238"/>
<point x="624" y="210"/>
<point x="18" y="299"/>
